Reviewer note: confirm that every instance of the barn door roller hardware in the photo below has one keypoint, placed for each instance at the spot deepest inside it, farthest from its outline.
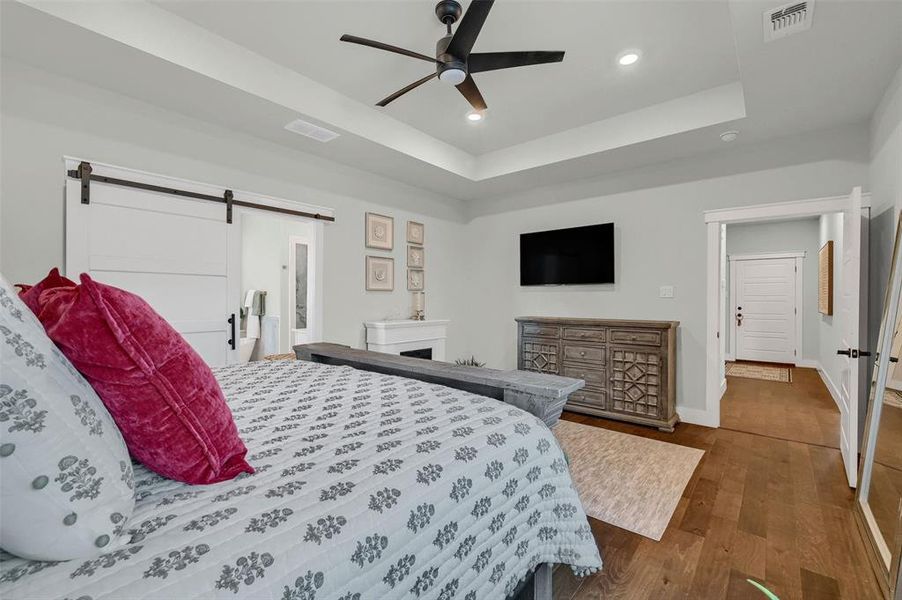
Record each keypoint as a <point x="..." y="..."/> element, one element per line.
<point x="85" y="174"/>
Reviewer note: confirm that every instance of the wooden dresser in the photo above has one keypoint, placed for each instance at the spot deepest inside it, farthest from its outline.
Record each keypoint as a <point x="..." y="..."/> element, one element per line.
<point x="629" y="366"/>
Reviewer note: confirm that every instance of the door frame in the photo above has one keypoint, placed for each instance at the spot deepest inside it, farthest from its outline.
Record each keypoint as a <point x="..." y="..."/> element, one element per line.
<point x="799" y="305"/>
<point x="714" y="220"/>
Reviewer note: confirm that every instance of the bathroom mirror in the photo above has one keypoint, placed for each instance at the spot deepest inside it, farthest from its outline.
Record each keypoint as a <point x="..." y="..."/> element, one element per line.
<point x="878" y="501"/>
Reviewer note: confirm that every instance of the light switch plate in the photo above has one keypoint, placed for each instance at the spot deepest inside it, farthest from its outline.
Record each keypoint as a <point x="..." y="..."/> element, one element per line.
<point x="666" y="291"/>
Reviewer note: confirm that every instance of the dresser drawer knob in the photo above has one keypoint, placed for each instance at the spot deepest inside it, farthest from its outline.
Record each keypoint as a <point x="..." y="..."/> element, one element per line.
<point x="582" y="353"/>
<point x="632" y="337"/>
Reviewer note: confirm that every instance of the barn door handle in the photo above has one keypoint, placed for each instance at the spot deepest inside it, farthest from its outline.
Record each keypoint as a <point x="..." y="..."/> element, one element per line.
<point x="231" y="341"/>
<point x="847" y="352"/>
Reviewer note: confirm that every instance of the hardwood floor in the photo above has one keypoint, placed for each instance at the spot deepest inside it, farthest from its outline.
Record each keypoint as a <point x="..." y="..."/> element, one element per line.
<point x="802" y="411"/>
<point x="775" y="510"/>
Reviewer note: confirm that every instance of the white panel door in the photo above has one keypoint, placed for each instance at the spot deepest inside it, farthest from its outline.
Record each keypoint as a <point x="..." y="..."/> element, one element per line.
<point x="178" y="254"/>
<point x="849" y="306"/>
<point x="764" y="310"/>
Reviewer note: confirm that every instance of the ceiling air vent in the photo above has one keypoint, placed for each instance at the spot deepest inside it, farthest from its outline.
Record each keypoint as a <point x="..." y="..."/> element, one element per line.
<point x="320" y="134"/>
<point x="787" y="19"/>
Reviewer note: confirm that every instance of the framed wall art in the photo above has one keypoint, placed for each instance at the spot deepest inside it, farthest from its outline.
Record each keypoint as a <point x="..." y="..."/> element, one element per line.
<point x="416" y="233"/>
<point x="416" y="280"/>
<point x="380" y="231"/>
<point x="416" y="258"/>
<point x="380" y="274"/>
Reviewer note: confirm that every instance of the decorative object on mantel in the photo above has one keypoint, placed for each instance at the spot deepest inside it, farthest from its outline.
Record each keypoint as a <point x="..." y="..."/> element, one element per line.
<point x="537" y="393"/>
<point x="415" y="257"/>
<point x="380" y="274"/>
<point x="469" y="362"/>
<point x="380" y="232"/>
<point x="415" y="280"/>
<point x="416" y="233"/>
<point x="825" y="279"/>
<point x="629" y="366"/>
<point x="407" y="335"/>
<point x="419" y="306"/>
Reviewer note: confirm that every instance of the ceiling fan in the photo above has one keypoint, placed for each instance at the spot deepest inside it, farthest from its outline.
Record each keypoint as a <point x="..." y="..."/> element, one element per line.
<point x="454" y="61"/>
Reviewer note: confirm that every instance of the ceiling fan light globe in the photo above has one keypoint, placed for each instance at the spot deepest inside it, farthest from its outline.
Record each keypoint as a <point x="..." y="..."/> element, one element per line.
<point x="453" y="76"/>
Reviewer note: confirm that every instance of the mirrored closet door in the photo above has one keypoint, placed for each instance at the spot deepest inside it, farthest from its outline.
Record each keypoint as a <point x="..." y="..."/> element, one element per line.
<point x="878" y="503"/>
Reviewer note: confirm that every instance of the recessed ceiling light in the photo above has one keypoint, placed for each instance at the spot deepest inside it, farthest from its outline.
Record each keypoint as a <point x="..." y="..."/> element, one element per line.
<point x="729" y="136"/>
<point x="628" y="58"/>
<point x="474" y="116"/>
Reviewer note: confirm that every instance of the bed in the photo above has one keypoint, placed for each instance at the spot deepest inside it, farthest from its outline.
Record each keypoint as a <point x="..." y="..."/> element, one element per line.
<point x="367" y="486"/>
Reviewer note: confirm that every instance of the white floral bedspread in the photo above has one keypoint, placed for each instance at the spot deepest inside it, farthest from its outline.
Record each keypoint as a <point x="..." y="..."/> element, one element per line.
<point x="368" y="486"/>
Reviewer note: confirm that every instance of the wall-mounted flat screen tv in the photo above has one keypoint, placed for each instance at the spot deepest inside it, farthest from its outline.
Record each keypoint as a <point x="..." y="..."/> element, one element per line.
<point x="577" y="255"/>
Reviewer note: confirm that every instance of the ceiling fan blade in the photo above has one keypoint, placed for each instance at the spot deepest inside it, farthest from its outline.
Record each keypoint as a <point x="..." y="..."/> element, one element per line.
<point x="480" y="62"/>
<point x="471" y="93"/>
<point x="379" y="45"/>
<point x="469" y="28"/>
<point x="404" y="90"/>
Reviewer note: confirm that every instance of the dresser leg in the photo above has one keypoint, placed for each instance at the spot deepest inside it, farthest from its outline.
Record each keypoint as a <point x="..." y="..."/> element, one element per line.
<point x="666" y="429"/>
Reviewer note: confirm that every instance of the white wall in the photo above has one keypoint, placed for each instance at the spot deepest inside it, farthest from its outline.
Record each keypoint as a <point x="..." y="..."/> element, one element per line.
<point x="800" y="235"/>
<point x="44" y="117"/>
<point x="659" y="240"/>
<point x="829" y="330"/>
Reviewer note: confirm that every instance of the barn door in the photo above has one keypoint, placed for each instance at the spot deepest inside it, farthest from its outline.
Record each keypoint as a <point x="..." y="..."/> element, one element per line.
<point x="178" y="254"/>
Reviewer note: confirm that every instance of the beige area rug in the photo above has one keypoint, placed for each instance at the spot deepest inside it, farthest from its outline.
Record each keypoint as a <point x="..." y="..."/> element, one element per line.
<point x="765" y="372"/>
<point x="628" y="481"/>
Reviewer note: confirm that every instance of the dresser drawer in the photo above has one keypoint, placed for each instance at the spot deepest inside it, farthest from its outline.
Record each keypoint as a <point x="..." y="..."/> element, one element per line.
<point x="643" y="337"/>
<point x="590" y="398"/>
<point x="541" y="330"/>
<point x="588" y="335"/>
<point x="593" y="376"/>
<point x="593" y="354"/>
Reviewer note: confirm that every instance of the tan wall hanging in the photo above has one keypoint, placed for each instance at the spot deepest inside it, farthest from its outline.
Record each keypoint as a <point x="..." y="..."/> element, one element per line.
<point x="825" y="279"/>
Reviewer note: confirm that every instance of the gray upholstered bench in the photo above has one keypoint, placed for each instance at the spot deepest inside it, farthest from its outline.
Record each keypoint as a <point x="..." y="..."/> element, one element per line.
<point x="540" y="394"/>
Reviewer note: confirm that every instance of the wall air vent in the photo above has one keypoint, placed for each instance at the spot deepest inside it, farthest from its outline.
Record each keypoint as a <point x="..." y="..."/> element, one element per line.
<point x="787" y="19"/>
<point x="320" y="134"/>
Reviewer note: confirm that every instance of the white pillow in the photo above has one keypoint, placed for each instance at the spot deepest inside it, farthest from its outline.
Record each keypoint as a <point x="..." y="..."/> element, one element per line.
<point x="66" y="483"/>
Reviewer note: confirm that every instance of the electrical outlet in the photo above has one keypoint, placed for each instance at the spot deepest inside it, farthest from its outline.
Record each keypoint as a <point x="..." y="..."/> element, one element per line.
<point x="666" y="291"/>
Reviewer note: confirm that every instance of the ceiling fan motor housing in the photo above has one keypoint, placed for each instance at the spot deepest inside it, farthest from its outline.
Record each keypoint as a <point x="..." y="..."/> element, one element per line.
<point x="448" y="11"/>
<point x="454" y="65"/>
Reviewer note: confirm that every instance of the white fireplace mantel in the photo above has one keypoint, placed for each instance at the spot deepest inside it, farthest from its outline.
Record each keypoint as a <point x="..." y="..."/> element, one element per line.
<point x="404" y="335"/>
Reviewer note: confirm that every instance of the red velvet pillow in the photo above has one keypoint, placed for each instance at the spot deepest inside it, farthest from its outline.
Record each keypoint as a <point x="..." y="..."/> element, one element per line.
<point x="30" y="294"/>
<point x="159" y="391"/>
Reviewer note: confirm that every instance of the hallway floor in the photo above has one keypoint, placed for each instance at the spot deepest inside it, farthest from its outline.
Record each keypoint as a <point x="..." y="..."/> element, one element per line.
<point x="801" y="411"/>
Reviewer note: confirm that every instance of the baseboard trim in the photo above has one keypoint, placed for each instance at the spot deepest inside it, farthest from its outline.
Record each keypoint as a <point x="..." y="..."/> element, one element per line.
<point x="696" y="416"/>
<point x="729" y="357"/>
<point x="831" y="387"/>
<point x="723" y="387"/>
<point x="808" y="363"/>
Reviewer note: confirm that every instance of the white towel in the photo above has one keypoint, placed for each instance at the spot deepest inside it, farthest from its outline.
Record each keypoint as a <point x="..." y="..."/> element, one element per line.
<point x="252" y="323"/>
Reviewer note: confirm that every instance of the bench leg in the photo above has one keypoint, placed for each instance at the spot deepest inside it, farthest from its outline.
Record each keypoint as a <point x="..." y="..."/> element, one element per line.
<point x="541" y="582"/>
